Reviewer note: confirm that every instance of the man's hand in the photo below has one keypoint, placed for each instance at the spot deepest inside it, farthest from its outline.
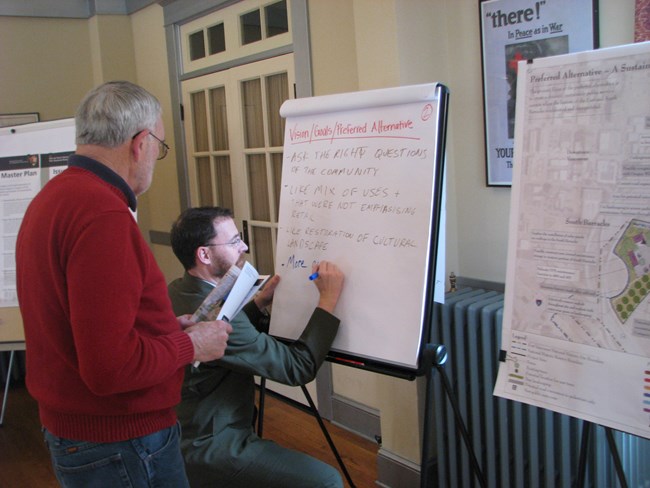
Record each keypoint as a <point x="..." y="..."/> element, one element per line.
<point x="265" y="296"/>
<point x="185" y="321"/>
<point x="209" y="339"/>
<point x="329" y="283"/>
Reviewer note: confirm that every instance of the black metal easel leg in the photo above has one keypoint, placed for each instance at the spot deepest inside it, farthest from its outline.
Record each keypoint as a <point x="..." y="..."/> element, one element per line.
<point x="312" y="405"/>
<point x="434" y="356"/>
<point x="582" y="461"/>
<point x="260" y="409"/>
<point x="461" y="426"/>
<point x="4" y="398"/>
<point x="617" y="460"/>
<point x="584" y="446"/>
<point x="431" y="355"/>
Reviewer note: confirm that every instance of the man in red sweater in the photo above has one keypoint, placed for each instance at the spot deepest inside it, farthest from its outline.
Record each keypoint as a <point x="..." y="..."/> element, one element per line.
<point x="105" y="353"/>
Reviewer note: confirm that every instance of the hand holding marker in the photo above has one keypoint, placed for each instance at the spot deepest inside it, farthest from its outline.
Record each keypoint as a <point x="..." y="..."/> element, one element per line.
<point x="328" y="278"/>
<point x="314" y="269"/>
<point x="312" y="277"/>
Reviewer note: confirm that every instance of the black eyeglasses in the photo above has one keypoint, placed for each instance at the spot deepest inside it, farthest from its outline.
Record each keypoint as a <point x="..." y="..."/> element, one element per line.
<point x="162" y="147"/>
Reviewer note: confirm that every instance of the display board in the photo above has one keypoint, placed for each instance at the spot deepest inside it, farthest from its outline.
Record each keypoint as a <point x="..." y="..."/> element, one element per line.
<point x="362" y="180"/>
<point x="30" y="155"/>
<point x="576" y="327"/>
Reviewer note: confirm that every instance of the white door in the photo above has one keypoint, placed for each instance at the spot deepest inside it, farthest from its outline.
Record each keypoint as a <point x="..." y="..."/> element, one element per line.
<point x="234" y="141"/>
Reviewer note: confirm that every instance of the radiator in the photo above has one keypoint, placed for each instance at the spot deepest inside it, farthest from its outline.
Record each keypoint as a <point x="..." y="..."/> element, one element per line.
<point x="516" y="445"/>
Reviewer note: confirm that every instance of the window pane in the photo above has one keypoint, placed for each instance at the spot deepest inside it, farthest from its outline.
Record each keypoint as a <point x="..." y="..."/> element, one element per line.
<point x="263" y="250"/>
<point x="197" y="46"/>
<point x="200" y="123"/>
<point x="223" y="182"/>
<point x="204" y="180"/>
<point x="219" y="118"/>
<point x="258" y="187"/>
<point x="251" y="29"/>
<point x="277" y="91"/>
<point x="216" y="39"/>
<point x="276" y="167"/>
<point x="252" y="112"/>
<point x="276" y="19"/>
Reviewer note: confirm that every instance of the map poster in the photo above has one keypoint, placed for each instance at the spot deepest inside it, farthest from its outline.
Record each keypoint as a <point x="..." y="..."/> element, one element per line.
<point x="512" y="30"/>
<point x="576" y="327"/>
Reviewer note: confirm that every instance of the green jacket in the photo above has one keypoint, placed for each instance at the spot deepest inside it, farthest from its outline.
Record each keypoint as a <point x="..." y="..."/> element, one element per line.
<point x="218" y="398"/>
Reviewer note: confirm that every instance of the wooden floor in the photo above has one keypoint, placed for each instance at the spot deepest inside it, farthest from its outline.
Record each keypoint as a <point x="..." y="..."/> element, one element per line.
<point x="25" y="463"/>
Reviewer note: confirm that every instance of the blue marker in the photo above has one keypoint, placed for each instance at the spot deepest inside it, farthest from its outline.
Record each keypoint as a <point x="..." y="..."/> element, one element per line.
<point x="313" y="276"/>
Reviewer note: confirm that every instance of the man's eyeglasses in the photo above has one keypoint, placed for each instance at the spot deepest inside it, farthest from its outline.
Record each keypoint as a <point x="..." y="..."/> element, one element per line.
<point x="234" y="242"/>
<point x="162" y="147"/>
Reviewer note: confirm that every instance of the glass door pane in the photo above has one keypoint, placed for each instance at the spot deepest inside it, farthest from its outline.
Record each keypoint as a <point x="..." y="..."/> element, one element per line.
<point x="252" y="112"/>
<point x="263" y="245"/>
<point x="219" y="118"/>
<point x="199" y="122"/>
<point x="259" y="187"/>
<point x="210" y="175"/>
<point x="276" y="168"/>
<point x="204" y="178"/>
<point x="277" y="91"/>
<point x="223" y="182"/>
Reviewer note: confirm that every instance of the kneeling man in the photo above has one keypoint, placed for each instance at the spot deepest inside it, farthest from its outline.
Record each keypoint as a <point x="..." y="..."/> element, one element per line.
<point x="217" y="409"/>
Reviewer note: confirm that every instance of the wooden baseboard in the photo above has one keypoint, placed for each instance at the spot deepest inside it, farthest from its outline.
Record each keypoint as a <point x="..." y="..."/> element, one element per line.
<point x="393" y="471"/>
<point x="356" y="417"/>
<point x="396" y="472"/>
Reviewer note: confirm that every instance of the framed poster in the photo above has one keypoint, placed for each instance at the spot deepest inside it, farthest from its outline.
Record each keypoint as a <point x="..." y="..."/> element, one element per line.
<point x="516" y="30"/>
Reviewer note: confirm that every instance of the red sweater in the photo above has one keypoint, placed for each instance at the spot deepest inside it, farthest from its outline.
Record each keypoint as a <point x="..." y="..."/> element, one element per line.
<point x="105" y="354"/>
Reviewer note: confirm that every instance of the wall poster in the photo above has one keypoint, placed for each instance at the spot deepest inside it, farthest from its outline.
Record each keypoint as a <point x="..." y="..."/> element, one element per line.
<point x="512" y="30"/>
<point x="30" y="155"/>
<point x="576" y="325"/>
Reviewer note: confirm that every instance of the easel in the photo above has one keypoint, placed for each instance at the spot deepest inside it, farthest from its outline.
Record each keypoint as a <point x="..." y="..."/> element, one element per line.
<point x="6" y="394"/>
<point x="425" y="112"/>
<point x="434" y="357"/>
<point x="584" y="446"/>
<point x="10" y="347"/>
<point x="314" y="411"/>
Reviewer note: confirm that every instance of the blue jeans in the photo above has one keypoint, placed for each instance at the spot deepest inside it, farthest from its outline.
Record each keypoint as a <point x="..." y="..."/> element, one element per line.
<point x="152" y="461"/>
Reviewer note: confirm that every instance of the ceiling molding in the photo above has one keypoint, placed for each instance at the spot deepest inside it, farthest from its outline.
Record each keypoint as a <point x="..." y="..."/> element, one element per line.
<point x="70" y="9"/>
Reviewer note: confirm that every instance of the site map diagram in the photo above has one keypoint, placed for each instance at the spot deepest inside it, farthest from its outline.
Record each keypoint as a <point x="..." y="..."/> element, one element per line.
<point x="576" y="328"/>
<point x="584" y="226"/>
